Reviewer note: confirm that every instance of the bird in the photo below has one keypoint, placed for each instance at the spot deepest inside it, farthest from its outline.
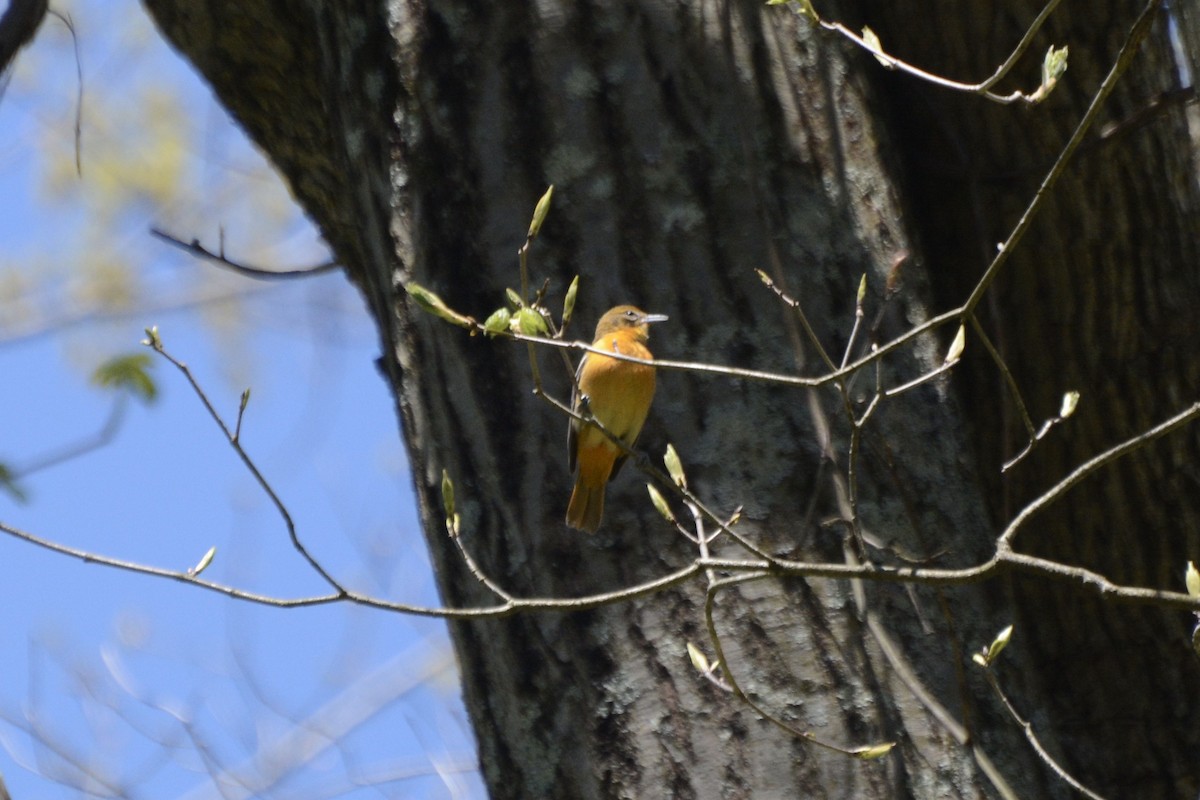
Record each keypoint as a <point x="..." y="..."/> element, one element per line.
<point x="618" y="394"/>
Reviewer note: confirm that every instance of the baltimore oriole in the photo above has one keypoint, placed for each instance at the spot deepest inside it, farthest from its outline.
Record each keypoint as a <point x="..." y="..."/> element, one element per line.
<point x="618" y="395"/>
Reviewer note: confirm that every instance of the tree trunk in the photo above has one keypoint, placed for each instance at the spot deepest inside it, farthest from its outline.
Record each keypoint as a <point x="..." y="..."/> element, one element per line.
<point x="692" y="144"/>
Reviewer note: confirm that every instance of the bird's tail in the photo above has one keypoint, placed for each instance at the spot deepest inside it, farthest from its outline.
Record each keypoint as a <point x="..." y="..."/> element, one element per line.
<point x="586" y="507"/>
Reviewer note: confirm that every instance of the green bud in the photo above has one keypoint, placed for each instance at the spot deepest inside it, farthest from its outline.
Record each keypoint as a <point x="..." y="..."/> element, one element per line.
<point x="999" y="643"/>
<point x="957" y="346"/>
<point x="539" y="212"/>
<point x="530" y="322"/>
<point x="873" y="752"/>
<point x="203" y="563"/>
<point x="1069" y="401"/>
<point x="569" y="301"/>
<point x="876" y="47"/>
<point x="498" y="322"/>
<point x="660" y="504"/>
<point x="430" y="302"/>
<point x="674" y="467"/>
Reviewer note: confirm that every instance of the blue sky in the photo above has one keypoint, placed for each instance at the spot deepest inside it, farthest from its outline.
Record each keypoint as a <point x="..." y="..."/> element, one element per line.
<point x="151" y="686"/>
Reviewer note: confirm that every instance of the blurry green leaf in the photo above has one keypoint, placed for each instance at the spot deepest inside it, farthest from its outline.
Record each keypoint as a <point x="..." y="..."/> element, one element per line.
<point x="1192" y="579"/>
<point x="699" y="660"/>
<point x="514" y="298"/>
<point x="862" y="290"/>
<point x="130" y="372"/>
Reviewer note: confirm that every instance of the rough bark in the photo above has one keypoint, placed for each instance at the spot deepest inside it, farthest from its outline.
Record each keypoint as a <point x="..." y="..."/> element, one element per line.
<point x="692" y="143"/>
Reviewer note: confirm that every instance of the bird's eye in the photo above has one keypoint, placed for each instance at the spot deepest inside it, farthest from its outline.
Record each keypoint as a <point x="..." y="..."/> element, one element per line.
<point x="631" y="316"/>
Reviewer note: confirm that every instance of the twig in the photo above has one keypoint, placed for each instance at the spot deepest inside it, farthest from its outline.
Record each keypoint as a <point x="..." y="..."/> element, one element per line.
<point x="156" y="344"/>
<point x="506" y="609"/>
<point x="1027" y="727"/>
<point x="715" y="638"/>
<point x="982" y="88"/>
<point x="478" y="572"/>
<point x="199" y="251"/>
<point x="1091" y="465"/>
<point x="1009" y="380"/>
<point x="762" y="376"/>
<point x="793" y="304"/>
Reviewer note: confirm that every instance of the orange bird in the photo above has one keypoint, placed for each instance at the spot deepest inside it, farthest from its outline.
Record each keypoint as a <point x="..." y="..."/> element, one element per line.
<point x="618" y="395"/>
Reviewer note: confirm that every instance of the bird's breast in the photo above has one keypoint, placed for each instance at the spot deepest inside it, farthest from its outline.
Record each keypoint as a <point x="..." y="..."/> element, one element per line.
<point x="619" y="392"/>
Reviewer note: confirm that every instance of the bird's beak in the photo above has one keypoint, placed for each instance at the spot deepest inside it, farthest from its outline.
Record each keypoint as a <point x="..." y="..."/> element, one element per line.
<point x="654" y="318"/>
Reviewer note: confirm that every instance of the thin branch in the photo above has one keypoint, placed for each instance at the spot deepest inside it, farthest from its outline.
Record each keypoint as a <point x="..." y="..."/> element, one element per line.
<point x="156" y="344"/>
<point x="710" y="598"/>
<point x="90" y="557"/>
<point x="884" y="394"/>
<point x="1005" y="559"/>
<point x="477" y="571"/>
<point x="982" y="88"/>
<point x="506" y="609"/>
<point x="257" y="273"/>
<point x="794" y="304"/>
<point x="1094" y="463"/>
<point x="1156" y="107"/>
<point x="763" y="376"/>
<point x="1036" y="743"/>
<point x="1009" y="380"/>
